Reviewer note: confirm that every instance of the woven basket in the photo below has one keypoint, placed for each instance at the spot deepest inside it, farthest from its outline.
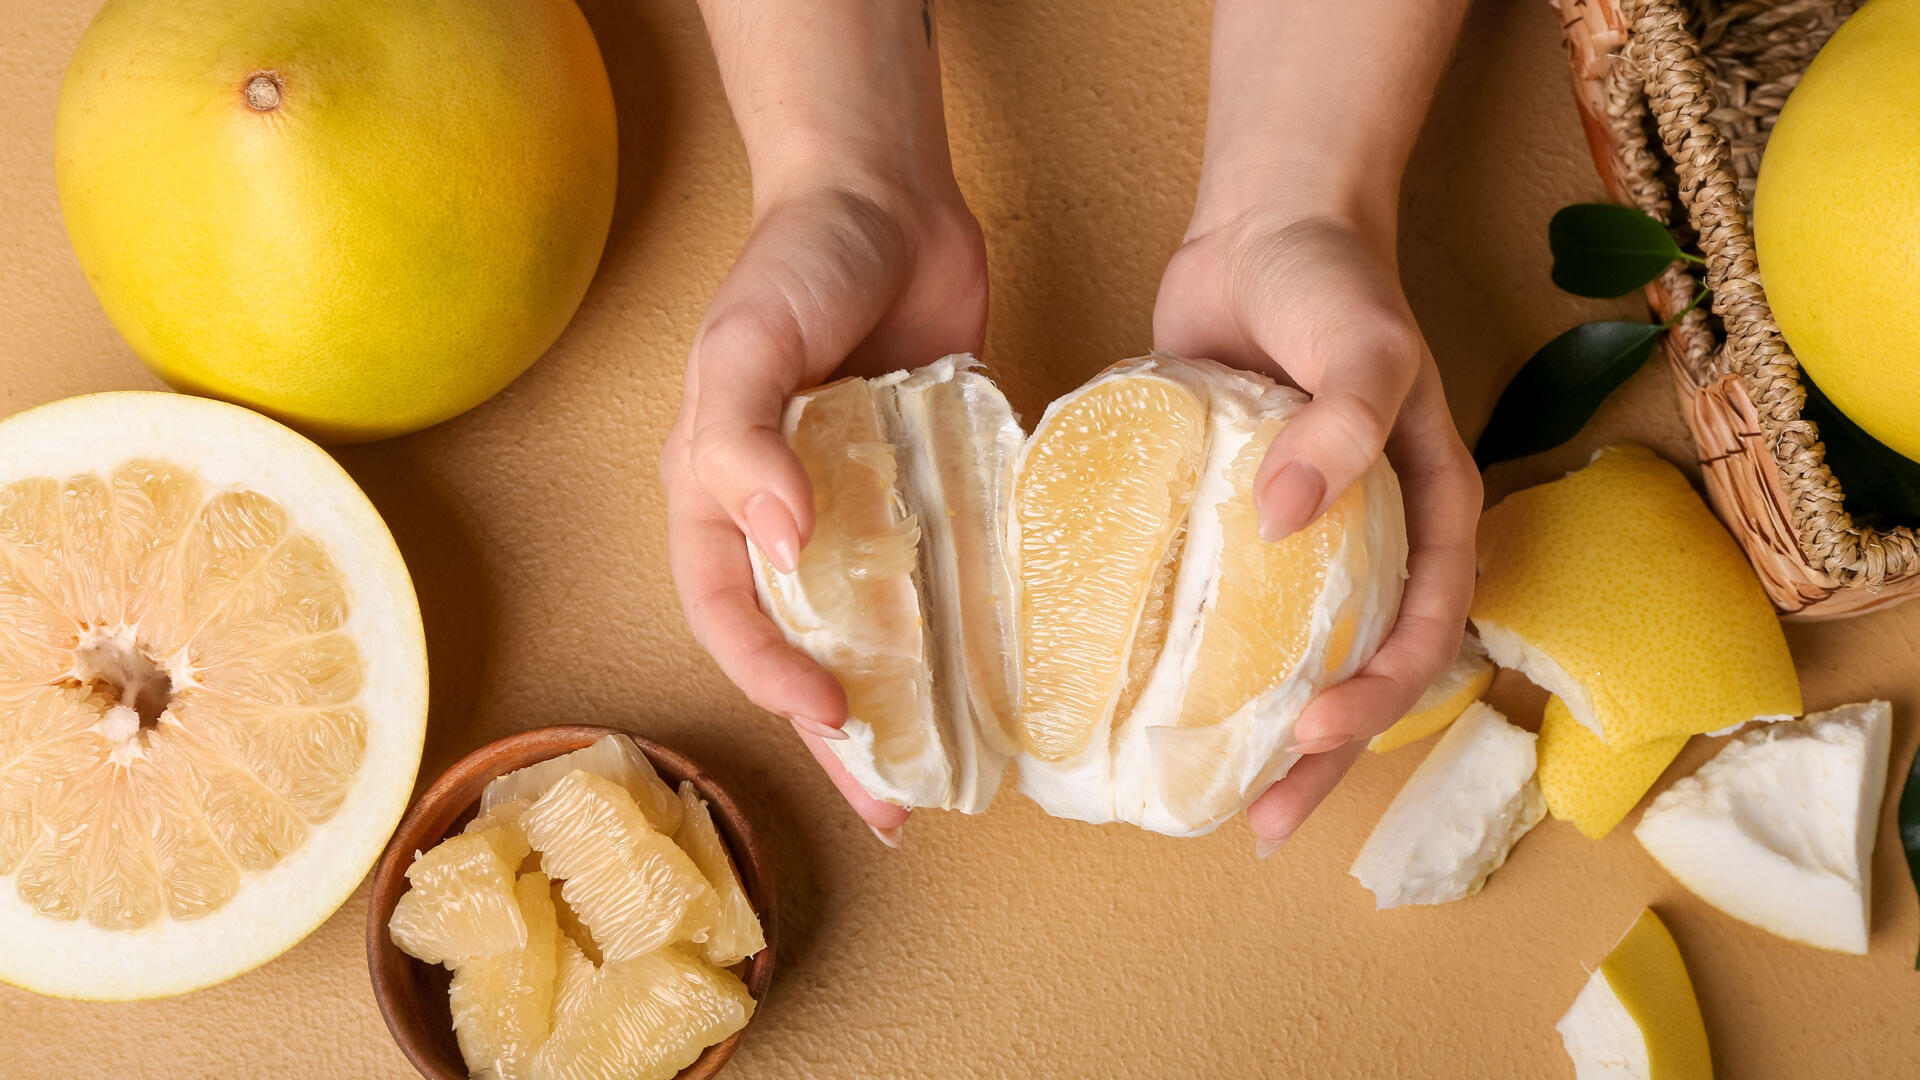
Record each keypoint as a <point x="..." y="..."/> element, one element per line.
<point x="1677" y="98"/>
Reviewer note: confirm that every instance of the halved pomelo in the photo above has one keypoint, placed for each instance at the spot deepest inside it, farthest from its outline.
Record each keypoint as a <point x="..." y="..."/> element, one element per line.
<point x="213" y="690"/>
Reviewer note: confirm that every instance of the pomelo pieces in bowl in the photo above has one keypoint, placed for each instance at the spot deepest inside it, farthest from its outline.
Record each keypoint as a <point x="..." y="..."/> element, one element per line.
<point x="1616" y="589"/>
<point x="621" y="969"/>
<point x="1777" y="829"/>
<point x="1637" y="1017"/>
<point x="1453" y="824"/>
<point x="1094" y="603"/>
<point x="1460" y="685"/>
<point x="213" y="691"/>
<point x="1836" y="221"/>
<point x="360" y="217"/>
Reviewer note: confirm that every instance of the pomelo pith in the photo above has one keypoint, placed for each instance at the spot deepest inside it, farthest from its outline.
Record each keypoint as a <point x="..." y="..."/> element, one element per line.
<point x="359" y="217"/>
<point x="213" y="691"/>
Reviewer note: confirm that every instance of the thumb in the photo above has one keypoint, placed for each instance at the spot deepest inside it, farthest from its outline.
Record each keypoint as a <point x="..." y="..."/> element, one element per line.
<point x="785" y="318"/>
<point x="1331" y="442"/>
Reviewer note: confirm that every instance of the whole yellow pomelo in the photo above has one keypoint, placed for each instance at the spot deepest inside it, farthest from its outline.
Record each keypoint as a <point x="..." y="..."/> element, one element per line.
<point x="359" y="216"/>
<point x="1836" y="221"/>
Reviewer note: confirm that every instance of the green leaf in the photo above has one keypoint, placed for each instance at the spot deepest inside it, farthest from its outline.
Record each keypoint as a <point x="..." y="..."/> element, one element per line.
<point x="1910" y="827"/>
<point x="1563" y="384"/>
<point x="1602" y="250"/>
<point x="1882" y="484"/>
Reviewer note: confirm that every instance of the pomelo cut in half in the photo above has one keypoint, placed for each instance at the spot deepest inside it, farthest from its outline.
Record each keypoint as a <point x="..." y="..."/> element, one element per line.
<point x="213" y="689"/>
<point x="1094" y="603"/>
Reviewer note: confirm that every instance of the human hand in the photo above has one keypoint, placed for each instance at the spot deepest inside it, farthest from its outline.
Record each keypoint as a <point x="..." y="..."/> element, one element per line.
<point x="833" y="279"/>
<point x="1315" y="300"/>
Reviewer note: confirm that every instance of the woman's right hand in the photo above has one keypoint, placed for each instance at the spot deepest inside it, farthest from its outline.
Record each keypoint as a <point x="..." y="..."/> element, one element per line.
<point x="836" y="277"/>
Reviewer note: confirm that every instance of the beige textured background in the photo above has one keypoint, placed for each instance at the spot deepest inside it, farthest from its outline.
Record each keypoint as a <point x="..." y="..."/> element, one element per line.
<point x="1009" y="945"/>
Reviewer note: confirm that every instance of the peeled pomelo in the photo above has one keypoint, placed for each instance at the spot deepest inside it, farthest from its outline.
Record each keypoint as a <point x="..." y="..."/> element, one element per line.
<point x="1099" y="604"/>
<point x="1617" y="590"/>
<point x="359" y="217"/>
<point x="213" y="692"/>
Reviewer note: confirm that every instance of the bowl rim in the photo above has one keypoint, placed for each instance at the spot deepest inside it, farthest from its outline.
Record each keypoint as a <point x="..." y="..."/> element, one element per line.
<point x="453" y="796"/>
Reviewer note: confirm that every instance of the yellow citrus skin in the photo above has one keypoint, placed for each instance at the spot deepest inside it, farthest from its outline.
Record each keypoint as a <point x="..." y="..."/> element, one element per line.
<point x="1589" y="783"/>
<point x="1836" y="220"/>
<point x="1648" y="975"/>
<point x="359" y="217"/>
<point x="1619" y="585"/>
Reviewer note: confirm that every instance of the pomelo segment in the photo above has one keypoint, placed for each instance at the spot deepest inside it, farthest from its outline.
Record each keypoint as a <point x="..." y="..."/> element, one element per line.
<point x="212" y="692"/>
<point x="626" y="880"/>
<point x="612" y="756"/>
<point x="459" y="904"/>
<point x="643" y="1018"/>
<point x="1234" y="634"/>
<point x="735" y="933"/>
<point x="902" y="591"/>
<point x="503" y="1005"/>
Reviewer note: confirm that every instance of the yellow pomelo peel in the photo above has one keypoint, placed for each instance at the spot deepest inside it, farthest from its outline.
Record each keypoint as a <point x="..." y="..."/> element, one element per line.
<point x="1836" y="221"/>
<point x="359" y="217"/>
<point x="1589" y="783"/>
<point x="1460" y="685"/>
<point x="1646" y="978"/>
<point x="1616" y="589"/>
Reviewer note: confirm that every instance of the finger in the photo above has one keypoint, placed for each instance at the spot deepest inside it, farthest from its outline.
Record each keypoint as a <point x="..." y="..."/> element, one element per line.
<point x="1332" y="440"/>
<point x="798" y="299"/>
<point x="884" y="818"/>
<point x="1441" y="491"/>
<point x="708" y="561"/>
<point x="1281" y="809"/>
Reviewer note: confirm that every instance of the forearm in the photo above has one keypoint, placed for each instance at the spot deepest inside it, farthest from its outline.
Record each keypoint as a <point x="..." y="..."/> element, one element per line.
<point x="1316" y="104"/>
<point x="833" y="88"/>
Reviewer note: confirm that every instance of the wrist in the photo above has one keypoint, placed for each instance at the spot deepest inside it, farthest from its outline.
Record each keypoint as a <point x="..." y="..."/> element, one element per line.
<point x="906" y="170"/>
<point x="1276" y="190"/>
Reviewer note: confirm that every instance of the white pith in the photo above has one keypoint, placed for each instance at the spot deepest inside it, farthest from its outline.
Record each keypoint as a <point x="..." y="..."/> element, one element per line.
<point x="1509" y="650"/>
<point x="1601" y="1036"/>
<point x="231" y="447"/>
<point x="1778" y="829"/>
<point x="1460" y="813"/>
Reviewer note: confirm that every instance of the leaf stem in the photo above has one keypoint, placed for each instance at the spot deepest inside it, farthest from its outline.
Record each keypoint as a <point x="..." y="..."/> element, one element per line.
<point x="1674" y="319"/>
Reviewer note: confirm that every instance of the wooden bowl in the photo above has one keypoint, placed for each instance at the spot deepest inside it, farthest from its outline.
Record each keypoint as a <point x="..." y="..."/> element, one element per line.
<point x="413" y="995"/>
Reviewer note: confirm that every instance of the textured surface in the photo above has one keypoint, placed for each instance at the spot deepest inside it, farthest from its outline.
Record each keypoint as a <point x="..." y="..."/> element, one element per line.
<point x="1010" y="944"/>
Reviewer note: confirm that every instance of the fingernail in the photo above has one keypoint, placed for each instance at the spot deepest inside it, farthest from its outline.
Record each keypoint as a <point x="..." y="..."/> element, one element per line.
<point x="889" y="837"/>
<point x="817" y="728"/>
<point x="773" y="531"/>
<point x="1289" y="501"/>
<point x="1264" y="846"/>
<point x="1320" y="745"/>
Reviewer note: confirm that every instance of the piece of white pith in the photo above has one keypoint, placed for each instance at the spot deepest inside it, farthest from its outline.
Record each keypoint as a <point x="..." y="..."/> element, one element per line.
<point x="1778" y="829"/>
<point x="1458" y="816"/>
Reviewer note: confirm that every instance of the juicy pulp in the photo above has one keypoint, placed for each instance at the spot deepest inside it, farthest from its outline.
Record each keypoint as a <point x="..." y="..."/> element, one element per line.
<point x="212" y="692"/>
<point x="625" y="879"/>
<point x="502" y="1005"/>
<point x="735" y="933"/>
